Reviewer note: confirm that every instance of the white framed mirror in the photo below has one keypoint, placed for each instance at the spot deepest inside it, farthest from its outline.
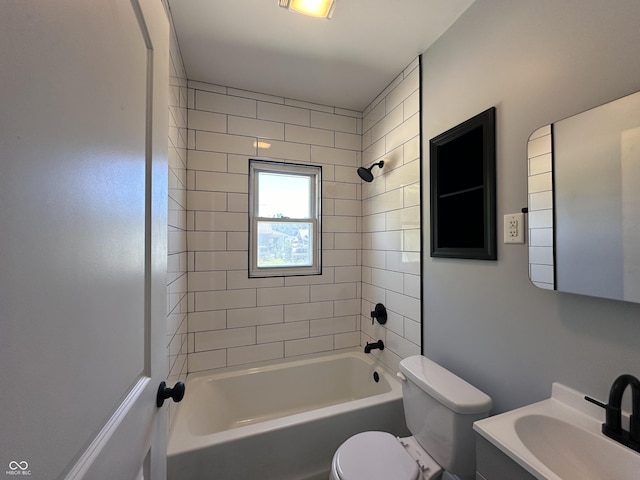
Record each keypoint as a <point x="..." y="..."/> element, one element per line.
<point x="584" y="202"/>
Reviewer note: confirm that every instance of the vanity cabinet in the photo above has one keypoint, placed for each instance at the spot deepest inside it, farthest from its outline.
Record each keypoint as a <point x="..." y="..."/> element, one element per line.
<point x="492" y="464"/>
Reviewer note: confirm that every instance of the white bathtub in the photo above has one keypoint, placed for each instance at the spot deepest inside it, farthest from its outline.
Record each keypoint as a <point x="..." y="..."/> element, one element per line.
<point x="280" y="421"/>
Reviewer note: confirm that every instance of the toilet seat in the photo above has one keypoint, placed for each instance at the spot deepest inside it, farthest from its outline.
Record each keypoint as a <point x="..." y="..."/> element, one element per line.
<point x="381" y="456"/>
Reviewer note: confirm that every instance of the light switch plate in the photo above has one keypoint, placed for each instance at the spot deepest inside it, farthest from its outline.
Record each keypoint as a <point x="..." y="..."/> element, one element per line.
<point x="514" y="228"/>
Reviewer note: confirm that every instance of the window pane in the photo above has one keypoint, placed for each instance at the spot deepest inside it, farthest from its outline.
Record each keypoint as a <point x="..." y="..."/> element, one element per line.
<point x="284" y="211"/>
<point x="284" y="196"/>
<point x="285" y="244"/>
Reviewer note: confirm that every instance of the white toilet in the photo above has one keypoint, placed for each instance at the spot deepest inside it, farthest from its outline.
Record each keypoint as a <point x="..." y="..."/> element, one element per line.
<point x="440" y="409"/>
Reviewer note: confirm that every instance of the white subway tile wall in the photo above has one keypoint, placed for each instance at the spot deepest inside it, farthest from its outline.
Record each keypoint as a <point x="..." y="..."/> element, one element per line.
<point x="391" y="218"/>
<point x="234" y="319"/>
<point x="371" y="232"/>
<point x="540" y="215"/>
<point x="178" y="282"/>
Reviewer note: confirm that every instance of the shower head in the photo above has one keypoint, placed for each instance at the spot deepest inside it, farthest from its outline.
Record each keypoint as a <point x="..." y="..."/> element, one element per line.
<point x="365" y="173"/>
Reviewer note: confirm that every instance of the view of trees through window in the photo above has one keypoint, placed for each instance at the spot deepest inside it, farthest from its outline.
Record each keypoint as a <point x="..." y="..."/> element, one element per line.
<point x="284" y="244"/>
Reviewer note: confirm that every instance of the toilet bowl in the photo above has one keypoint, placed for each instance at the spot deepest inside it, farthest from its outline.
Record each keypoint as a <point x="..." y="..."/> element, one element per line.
<point x="381" y="456"/>
<point x="440" y="409"/>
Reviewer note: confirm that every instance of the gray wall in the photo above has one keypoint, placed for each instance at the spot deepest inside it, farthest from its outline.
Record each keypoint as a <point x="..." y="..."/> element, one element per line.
<point x="537" y="62"/>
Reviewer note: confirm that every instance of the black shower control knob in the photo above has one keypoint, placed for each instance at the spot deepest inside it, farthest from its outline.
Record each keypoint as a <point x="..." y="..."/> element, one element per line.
<point x="380" y="314"/>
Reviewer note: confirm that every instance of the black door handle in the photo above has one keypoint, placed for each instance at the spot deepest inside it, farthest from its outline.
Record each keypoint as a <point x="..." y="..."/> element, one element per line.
<point x="176" y="393"/>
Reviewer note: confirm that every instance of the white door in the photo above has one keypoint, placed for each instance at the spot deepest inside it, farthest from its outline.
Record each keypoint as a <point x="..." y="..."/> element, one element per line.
<point x="83" y="192"/>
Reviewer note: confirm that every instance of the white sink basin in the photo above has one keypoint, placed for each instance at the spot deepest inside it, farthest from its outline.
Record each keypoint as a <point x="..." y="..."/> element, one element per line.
<point x="560" y="438"/>
<point x="572" y="452"/>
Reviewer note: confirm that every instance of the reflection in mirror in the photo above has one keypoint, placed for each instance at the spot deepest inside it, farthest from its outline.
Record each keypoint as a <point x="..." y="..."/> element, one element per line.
<point x="584" y="202"/>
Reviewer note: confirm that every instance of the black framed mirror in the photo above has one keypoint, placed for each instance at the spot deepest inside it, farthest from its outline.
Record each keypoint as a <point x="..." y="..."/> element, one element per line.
<point x="463" y="190"/>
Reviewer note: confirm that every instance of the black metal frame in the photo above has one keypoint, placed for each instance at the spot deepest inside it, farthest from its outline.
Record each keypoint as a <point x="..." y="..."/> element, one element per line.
<point x="463" y="190"/>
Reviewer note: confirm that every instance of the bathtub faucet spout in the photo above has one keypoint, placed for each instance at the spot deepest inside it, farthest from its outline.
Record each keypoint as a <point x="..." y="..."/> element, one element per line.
<point x="371" y="346"/>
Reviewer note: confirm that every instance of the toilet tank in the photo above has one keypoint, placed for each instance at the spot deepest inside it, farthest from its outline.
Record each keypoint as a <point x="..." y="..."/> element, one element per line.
<point x="440" y="409"/>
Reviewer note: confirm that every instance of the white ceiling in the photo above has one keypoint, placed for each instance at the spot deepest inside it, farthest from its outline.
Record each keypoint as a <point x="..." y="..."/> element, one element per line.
<point x="345" y="62"/>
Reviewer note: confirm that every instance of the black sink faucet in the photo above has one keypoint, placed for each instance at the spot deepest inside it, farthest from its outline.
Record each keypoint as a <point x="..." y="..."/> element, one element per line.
<point x="614" y="415"/>
<point x="613" y="419"/>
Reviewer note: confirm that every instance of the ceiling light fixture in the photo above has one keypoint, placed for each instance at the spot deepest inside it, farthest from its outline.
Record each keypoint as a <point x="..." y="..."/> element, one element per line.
<point x="312" y="8"/>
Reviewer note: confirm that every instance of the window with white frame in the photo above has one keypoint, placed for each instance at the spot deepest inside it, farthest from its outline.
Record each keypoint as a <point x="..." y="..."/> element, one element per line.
<point x="284" y="219"/>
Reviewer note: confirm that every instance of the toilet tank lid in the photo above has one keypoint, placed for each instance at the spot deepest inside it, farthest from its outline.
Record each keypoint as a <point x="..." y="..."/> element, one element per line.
<point x="449" y="389"/>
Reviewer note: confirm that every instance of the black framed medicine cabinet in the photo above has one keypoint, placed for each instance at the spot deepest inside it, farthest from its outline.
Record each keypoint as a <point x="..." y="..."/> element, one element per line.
<point x="463" y="190"/>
